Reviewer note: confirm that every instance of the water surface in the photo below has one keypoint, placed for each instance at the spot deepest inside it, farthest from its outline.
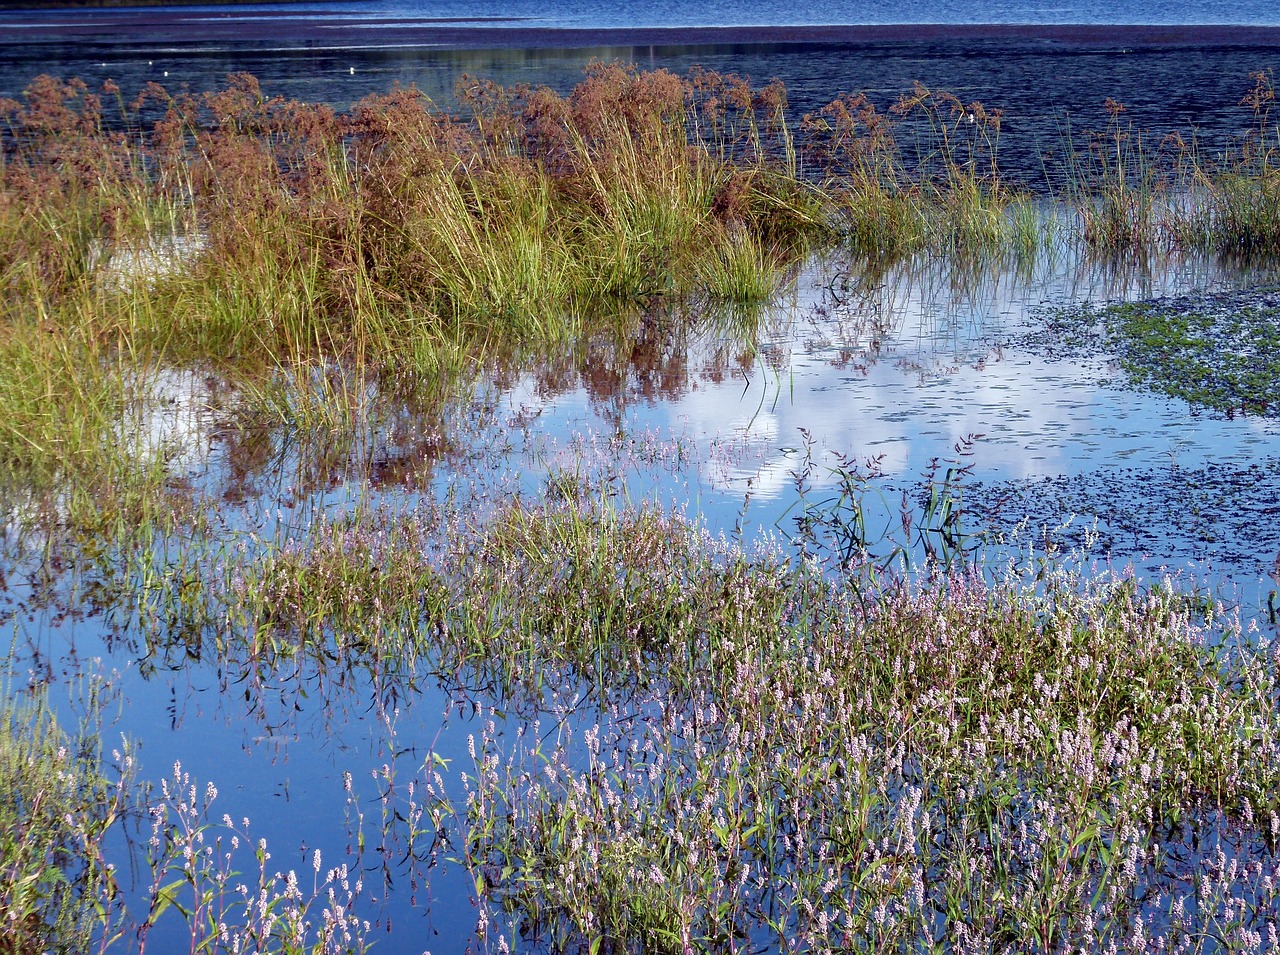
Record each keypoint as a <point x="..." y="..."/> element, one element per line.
<point x="884" y="370"/>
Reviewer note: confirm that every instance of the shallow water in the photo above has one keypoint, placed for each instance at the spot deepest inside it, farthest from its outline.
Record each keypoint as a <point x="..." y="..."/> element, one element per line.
<point x="900" y="367"/>
<point x="923" y="360"/>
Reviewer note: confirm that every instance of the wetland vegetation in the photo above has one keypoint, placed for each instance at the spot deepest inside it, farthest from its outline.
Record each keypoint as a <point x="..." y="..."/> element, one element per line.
<point x="655" y="734"/>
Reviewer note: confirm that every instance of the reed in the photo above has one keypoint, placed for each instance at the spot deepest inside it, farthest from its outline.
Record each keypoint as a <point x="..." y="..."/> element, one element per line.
<point x="1239" y="203"/>
<point x="242" y="232"/>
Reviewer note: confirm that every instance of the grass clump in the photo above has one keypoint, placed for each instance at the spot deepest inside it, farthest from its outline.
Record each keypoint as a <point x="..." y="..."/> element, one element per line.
<point x="958" y="765"/>
<point x="1038" y="757"/>
<point x="56" y="805"/>
<point x="1235" y="204"/>
<point x="946" y="194"/>
<point x="239" y="232"/>
<point x="1131" y="197"/>
<point x="593" y="594"/>
<point x="1117" y="186"/>
<point x="245" y="234"/>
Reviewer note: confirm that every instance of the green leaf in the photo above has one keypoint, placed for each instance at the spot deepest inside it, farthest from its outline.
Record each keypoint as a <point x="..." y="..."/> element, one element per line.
<point x="165" y="897"/>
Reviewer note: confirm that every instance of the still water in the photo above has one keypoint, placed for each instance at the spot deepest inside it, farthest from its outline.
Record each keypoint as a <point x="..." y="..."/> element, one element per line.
<point x="898" y="370"/>
<point x="595" y="15"/>
<point x="1050" y="81"/>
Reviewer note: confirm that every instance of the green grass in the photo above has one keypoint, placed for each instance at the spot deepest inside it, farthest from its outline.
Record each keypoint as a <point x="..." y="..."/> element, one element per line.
<point x="1033" y="758"/>
<point x="1039" y="754"/>
<point x="401" y="239"/>
<point x="57" y="803"/>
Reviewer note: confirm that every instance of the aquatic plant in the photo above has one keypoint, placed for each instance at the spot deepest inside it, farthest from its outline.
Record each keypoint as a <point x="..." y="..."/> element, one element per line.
<point x="945" y="193"/>
<point x="730" y="746"/>
<point x="192" y="865"/>
<point x="295" y="235"/>
<point x="820" y="743"/>
<point x="57" y="803"/>
<point x="953" y="765"/>
<point x="1214" y="350"/>
<point x="256" y="238"/>
<point x="1118" y="204"/>
<point x="859" y="529"/>
<point x="64" y="886"/>
<point x="1235" y="201"/>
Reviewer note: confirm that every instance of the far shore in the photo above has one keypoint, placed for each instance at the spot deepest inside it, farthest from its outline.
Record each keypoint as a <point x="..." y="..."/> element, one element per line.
<point x="27" y="23"/>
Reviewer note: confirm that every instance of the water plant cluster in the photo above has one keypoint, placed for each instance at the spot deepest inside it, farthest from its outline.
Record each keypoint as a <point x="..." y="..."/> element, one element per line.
<point x="247" y="237"/>
<point x="58" y="802"/>
<point x="1221" y="510"/>
<point x="1214" y="350"/>
<point x="685" y="743"/>
<point x="64" y="807"/>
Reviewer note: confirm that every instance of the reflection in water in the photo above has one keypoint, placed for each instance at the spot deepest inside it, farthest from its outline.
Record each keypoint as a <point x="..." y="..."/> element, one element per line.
<point x="913" y="358"/>
<point x="892" y="362"/>
<point x="895" y="362"/>
<point x="744" y="419"/>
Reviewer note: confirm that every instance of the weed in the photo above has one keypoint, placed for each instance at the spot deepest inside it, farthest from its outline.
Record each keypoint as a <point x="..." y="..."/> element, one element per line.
<point x="57" y="804"/>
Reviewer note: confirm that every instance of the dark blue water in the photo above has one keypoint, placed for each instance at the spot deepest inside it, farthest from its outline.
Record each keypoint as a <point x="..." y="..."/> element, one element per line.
<point x="1042" y="75"/>
<point x="597" y="15"/>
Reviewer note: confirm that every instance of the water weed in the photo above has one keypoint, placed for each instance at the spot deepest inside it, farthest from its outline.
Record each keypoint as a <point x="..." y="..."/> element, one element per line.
<point x="57" y="803"/>
<point x="863" y="787"/>
<point x="1211" y="349"/>
<point x="851" y="737"/>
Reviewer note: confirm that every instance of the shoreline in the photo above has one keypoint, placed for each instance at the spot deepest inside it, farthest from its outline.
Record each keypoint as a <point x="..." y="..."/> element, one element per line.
<point x="177" y="27"/>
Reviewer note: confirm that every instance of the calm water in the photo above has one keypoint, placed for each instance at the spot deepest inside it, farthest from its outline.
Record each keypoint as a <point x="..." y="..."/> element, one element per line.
<point x="898" y="370"/>
<point x="1045" y="78"/>
<point x="1047" y="86"/>
<point x="592" y="14"/>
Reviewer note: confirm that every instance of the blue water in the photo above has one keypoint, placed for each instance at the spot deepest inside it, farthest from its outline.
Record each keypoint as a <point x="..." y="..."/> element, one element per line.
<point x="591" y="13"/>
<point x="676" y="13"/>
<point x="902" y="370"/>
<point x="939" y="370"/>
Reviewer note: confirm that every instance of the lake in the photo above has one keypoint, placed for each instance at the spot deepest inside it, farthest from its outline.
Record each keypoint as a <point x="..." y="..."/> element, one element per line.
<point x="874" y="376"/>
